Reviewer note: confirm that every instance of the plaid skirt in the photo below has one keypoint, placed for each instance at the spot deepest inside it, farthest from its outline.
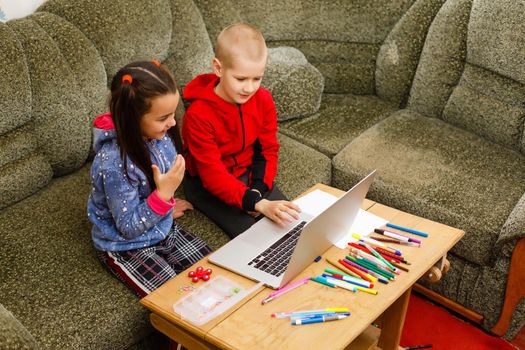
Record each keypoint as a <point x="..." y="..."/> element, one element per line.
<point x="144" y="270"/>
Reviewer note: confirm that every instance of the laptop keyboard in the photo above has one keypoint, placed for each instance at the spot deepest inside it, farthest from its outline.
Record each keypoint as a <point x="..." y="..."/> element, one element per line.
<point x="275" y="259"/>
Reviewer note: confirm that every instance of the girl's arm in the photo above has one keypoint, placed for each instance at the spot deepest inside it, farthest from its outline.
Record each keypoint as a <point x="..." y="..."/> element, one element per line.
<point x="132" y="215"/>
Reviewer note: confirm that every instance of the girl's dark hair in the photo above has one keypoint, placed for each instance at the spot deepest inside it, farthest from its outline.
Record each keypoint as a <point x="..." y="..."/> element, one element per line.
<point x="128" y="104"/>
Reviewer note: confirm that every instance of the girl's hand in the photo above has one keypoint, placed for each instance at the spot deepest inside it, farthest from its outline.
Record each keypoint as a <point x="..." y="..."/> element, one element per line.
<point x="181" y="206"/>
<point x="167" y="183"/>
<point x="279" y="212"/>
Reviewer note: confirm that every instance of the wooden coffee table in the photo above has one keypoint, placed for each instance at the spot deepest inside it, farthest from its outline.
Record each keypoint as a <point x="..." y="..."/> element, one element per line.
<point x="248" y="324"/>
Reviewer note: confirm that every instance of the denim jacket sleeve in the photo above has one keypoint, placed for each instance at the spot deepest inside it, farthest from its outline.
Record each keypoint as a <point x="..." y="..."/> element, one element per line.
<point x="133" y="216"/>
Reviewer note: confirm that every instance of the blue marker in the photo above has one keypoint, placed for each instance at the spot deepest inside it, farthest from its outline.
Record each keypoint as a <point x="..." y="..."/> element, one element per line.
<point x="317" y="315"/>
<point x="326" y="318"/>
<point x="422" y="234"/>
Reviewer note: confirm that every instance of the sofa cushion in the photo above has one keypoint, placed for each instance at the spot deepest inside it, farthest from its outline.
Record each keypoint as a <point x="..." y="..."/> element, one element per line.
<point x="190" y="51"/>
<point x="489" y="105"/>
<point x="340" y="38"/>
<point x="348" y="67"/>
<point x="340" y="119"/>
<point x="300" y="167"/>
<point x="59" y="115"/>
<point x="13" y="335"/>
<point x="400" y="52"/>
<point x="295" y="84"/>
<point x="435" y="170"/>
<point x="51" y="280"/>
<point x="442" y="59"/>
<point x="123" y="31"/>
<point x="82" y="58"/>
<point x="23" y="169"/>
<point x="497" y="37"/>
<point x="15" y="91"/>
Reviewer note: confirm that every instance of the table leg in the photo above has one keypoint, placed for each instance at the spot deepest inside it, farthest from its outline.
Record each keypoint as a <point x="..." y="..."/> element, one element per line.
<point x="180" y="335"/>
<point x="392" y="323"/>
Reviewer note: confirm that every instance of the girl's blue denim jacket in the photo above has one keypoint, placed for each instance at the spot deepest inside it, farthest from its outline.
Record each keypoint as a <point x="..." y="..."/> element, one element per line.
<point x="124" y="211"/>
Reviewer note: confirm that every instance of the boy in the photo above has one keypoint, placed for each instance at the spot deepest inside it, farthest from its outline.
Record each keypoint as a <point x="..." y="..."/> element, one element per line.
<point x="230" y="137"/>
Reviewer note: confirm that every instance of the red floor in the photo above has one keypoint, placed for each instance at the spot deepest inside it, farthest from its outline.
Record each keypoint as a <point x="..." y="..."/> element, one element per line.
<point x="519" y="339"/>
<point x="427" y="323"/>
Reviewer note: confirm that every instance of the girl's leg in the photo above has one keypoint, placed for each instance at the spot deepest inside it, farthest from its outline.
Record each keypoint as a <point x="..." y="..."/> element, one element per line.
<point x="181" y="249"/>
<point x="142" y="270"/>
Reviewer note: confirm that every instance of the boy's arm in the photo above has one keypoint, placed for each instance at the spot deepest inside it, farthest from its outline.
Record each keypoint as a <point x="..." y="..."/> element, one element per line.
<point x="132" y="216"/>
<point x="265" y="148"/>
<point x="199" y="138"/>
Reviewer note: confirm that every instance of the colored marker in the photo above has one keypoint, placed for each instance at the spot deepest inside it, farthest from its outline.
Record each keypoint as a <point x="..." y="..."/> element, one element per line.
<point x="396" y="236"/>
<point x="368" y="253"/>
<point x="340" y="283"/>
<point x="318" y="315"/>
<point x="395" y="241"/>
<point x="322" y="280"/>
<point x="372" y="266"/>
<point x="371" y="258"/>
<point x="419" y="233"/>
<point x="377" y="255"/>
<point x="318" y="319"/>
<point x="365" y="276"/>
<point x="375" y="243"/>
<point x="306" y="312"/>
<point x="344" y="269"/>
<point x="364" y="289"/>
<point x="350" y="279"/>
<point x="285" y="289"/>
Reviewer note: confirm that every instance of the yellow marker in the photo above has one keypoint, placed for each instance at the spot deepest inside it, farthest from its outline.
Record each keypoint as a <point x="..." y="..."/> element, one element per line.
<point x="366" y="290"/>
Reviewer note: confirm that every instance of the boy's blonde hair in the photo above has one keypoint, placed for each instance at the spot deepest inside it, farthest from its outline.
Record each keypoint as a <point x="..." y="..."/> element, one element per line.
<point x="240" y="40"/>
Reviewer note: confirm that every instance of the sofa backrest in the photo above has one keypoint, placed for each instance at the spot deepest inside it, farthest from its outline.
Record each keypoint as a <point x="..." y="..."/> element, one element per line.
<point x="341" y="38"/>
<point x="56" y="65"/>
<point x="472" y="73"/>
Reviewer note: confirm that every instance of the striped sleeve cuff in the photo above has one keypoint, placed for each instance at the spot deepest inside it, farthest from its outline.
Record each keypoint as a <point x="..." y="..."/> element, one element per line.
<point x="158" y="205"/>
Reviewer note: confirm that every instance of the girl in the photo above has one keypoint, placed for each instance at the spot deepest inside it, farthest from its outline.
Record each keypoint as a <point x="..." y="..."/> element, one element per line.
<point x="135" y="174"/>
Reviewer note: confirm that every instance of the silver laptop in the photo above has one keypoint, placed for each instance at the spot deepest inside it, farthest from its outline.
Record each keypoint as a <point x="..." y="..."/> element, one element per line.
<point x="274" y="255"/>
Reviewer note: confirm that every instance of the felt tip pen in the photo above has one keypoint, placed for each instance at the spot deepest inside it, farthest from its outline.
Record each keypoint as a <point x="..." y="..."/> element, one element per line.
<point x="322" y="280"/>
<point x="396" y="241"/>
<point x="339" y="273"/>
<point x="318" y="319"/>
<point x="349" y="279"/>
<point x="285" y="289"/>
<point x="419" y="233"/>
<point x="377" y="255"/>
<point x="375" y="243"/>
<point x="340" y="283"/>
<point x="291" y="313"/>
<point x="302" y="317"/>
<point x="397" y="236"/>
<point x="364" y="289"/>
<point x="343" y="268"/>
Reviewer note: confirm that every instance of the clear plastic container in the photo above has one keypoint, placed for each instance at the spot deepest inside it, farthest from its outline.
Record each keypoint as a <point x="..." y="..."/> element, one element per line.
<point x="210" y="300"/>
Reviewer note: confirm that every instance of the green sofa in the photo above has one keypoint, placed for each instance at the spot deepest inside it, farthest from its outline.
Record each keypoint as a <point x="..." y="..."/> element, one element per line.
<point x="429" y="92"/>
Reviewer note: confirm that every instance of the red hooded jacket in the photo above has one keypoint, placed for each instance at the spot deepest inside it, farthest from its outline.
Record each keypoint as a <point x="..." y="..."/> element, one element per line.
<point x="223" y="140"/>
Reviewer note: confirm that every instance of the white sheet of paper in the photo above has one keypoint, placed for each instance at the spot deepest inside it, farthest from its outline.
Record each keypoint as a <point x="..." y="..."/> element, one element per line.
<point x="316" y="201"/>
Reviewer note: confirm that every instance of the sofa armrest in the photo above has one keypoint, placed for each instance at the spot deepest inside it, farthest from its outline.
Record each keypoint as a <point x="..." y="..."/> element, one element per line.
<point x="295" y="84"/>
<point x="13" y="335"/>
<point x="512" y="230"/>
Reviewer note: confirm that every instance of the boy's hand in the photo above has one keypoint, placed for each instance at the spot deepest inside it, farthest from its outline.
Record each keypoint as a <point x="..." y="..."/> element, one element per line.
<point x="279" y="212"/>
<point x="167" y="183"/>
<point x="181" y="206"/>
